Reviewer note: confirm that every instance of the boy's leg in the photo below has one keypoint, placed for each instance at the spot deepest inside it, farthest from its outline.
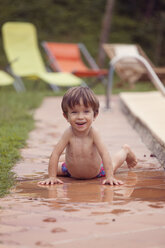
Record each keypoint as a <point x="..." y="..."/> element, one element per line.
<point x="62" y="170"/>
<point x="125" y="154"/>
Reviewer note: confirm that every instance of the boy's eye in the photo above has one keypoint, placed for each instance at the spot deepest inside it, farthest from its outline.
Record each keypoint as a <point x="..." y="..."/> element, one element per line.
<point x="73" y="112"/>
<point x="86" y="111"/>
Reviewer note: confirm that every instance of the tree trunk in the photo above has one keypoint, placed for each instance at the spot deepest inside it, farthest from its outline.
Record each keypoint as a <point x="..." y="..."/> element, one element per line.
<point x="150" y="8"/>
<point x="105" y="30"/>
<point x="160" y="38"/>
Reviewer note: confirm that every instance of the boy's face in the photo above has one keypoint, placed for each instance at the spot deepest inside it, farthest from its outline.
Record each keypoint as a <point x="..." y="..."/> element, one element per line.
<point x="80" y="117"/>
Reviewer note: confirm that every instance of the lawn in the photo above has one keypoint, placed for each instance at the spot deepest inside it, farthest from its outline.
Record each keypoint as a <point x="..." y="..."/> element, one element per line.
<point x="16" y="120"/>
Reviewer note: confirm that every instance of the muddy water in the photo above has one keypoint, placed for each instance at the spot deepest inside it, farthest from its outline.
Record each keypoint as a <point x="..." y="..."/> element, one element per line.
<point x="138" y="186"/>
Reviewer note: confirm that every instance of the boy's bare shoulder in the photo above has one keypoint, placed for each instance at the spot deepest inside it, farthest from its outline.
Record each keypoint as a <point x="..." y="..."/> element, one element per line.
<point x="68" y="132"/>
<point x="66" y="136"/>
<point x="93" y="131"/>
<point x="95" y="135"/>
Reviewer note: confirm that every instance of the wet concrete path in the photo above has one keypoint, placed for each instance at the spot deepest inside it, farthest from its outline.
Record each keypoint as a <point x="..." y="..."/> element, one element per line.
<point x="84" y="213"/>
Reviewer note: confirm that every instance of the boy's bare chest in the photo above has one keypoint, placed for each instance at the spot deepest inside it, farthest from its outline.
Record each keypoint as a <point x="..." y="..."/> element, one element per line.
<point x="79" y="146"/>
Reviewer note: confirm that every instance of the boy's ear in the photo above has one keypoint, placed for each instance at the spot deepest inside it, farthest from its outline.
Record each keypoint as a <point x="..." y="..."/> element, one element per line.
<point x="95" y="116"/>
<point x="65" y="116"/>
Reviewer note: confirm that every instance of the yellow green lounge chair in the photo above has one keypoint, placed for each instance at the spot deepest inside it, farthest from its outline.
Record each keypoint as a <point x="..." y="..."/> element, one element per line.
<point x="6" y="79"/>
<point x="22" y="51"/>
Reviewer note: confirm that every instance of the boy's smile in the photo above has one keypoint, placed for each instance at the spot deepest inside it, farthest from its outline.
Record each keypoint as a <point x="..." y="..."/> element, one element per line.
<point x="82" y="123"/>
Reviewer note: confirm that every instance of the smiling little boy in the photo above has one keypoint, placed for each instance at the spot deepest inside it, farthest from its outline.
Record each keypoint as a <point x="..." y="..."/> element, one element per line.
<point x="86" y="156"/>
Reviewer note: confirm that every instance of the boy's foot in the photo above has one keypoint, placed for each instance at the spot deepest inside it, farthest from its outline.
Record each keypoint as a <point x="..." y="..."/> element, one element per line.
<point x="131" y="158"/>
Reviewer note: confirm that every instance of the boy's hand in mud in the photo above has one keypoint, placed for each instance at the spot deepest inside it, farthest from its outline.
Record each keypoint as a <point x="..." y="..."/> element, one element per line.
<point x="112" y="181"/>
<point x="51" y="181"/>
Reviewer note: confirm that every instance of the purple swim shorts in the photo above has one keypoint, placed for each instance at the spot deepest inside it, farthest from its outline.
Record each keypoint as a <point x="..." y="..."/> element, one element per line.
<point x="66" y="172"/>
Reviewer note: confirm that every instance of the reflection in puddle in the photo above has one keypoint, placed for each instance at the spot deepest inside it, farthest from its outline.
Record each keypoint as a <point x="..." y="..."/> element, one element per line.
<point x="142" y="185"/>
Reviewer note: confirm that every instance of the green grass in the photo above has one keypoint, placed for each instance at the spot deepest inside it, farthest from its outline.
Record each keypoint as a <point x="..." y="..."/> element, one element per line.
<point x="15" y="123"/>
<point x="117" y="88"/>
<point x="16" y="120"/>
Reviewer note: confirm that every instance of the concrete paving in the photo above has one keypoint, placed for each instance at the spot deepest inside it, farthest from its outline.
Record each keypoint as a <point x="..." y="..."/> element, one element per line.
<point x="146" y="112"/>
<point x="84" y="213"/>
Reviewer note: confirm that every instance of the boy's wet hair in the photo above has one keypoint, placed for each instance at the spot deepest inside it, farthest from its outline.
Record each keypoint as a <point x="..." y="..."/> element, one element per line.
<point x="73" y="95"/>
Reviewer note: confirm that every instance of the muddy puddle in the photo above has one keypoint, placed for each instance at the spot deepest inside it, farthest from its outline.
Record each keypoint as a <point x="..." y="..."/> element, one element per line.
<point x="138" y="186"/>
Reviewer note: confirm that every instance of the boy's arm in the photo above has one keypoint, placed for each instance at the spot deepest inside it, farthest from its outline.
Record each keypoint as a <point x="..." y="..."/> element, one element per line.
<point x="54" y="159"/>
<point x="106" y="159"/>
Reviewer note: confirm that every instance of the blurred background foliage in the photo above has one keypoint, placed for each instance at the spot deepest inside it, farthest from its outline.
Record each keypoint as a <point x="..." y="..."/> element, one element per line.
<point x="133" y="21"/>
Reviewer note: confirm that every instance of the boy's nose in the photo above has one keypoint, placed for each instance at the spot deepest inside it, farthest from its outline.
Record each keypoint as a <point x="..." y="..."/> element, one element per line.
<point x="80" y="116"/>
